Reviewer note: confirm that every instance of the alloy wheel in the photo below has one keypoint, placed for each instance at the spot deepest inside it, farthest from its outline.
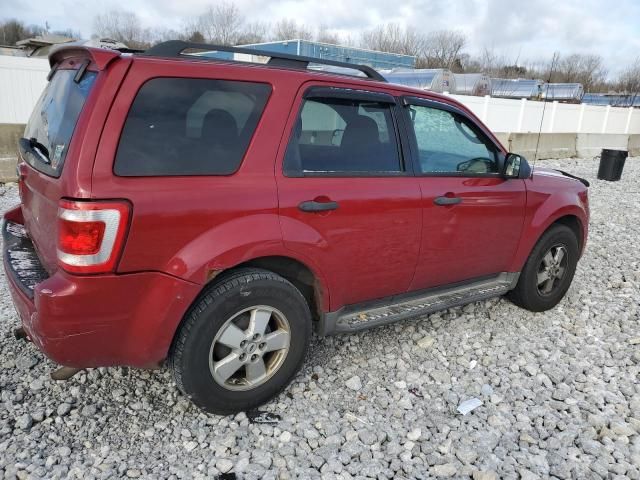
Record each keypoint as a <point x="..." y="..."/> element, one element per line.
<point x="552" y="269"/>
<point x="249" y="348"/>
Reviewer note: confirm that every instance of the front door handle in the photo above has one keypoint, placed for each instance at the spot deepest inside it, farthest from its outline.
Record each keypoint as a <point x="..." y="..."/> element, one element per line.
<point x="313" y="206"/>
<point x="447" y="200"/>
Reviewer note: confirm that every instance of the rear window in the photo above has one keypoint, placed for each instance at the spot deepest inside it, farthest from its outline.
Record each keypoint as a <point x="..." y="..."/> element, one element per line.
<point x="187" y="126"/>
<point x="54" y="119"/>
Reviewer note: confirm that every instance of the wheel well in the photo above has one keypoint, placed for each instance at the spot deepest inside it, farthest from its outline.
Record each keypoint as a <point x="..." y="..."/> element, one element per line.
<point x="574" y="224"/>
<point x="297" y="273"/>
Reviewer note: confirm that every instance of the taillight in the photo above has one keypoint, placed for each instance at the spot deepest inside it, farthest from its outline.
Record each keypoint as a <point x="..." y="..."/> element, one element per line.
<point x="91" y="235"/>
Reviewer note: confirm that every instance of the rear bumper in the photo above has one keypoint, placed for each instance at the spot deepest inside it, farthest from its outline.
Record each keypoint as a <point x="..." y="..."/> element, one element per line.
<point x="93" y="321"/>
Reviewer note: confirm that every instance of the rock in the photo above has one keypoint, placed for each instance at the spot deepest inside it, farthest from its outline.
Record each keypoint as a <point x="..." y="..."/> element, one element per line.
<point x="426" y="342"/>
<point x="285" y="437"/>
<point x="634" y="341"/>
<point x="486" y="390"/>
<point x="24" y="422"/>
<point x="367" y="437"/>
<point x="414" y="434"/>
<point x="224" y="465"/>
<point x="354" y="383"/>
<point x="561" y="393"/>
<point x="190" y="445"/>
<point x="63" y="409"/>
<point x="622" y="429"/>
<point x="527" y="475"/>
<point x="466" y="455"/>
<point x="445" y="470"/>
<point x="27" y="362"/>
<point x="485" y="475"/>
<point x="37" y="385"/>
<point x="64" y="451"/>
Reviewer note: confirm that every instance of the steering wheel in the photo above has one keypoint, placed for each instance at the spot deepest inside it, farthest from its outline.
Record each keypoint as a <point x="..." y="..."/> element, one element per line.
<point x="475" y="165"/>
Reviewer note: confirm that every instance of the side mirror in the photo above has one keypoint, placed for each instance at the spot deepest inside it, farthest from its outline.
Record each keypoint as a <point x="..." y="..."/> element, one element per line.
<point x="513" y="164"/>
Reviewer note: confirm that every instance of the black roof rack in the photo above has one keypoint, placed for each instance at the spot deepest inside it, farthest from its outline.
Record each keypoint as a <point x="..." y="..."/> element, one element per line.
<point x="174" y="48"/>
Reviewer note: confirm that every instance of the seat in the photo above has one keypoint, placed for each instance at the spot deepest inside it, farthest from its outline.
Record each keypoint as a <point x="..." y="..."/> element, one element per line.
<point x="360" y="144"/>
<point x="219" y="130"/>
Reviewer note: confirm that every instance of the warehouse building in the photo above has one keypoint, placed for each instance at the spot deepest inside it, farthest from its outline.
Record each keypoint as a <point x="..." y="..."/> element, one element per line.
<point x="327" y="51"/>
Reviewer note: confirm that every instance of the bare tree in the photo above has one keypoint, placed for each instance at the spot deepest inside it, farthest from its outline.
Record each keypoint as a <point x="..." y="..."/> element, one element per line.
<point x="393" y="38"/>
<point x="122" y="26"/>
<point x="12" y="31"/>
<point x="288" y="29"/>
<point x="587" y="69"/>
<point x="221" y="24"/>
<point x="325" y="35"/>
<point x="628" y="83"/>
<point x="254" y="32"/>
<point x="442" y="49"/>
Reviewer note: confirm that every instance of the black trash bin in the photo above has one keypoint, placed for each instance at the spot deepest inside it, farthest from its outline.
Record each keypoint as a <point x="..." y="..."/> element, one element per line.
<point x="611" y="164"/>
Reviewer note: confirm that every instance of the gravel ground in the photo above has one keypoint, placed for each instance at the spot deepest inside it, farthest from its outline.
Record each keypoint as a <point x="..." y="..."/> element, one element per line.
<point x="560" y="391"/>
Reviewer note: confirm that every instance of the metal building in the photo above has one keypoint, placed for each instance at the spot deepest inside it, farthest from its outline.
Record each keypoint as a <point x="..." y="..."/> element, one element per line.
<point x="516" y="88"/>
<point x="433" y="79"/>
<point x="630" y="100"/>
<point x="563" y="92"/>
<point x="372" y="58"/>
<point x="477" y="84"/>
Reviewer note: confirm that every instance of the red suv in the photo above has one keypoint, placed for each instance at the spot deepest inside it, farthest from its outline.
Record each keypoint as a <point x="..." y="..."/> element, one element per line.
<point x="212" y="213"/>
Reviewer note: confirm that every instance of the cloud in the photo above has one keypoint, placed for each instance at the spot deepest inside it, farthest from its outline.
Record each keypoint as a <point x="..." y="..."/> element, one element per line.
<point x="528" y="30"/>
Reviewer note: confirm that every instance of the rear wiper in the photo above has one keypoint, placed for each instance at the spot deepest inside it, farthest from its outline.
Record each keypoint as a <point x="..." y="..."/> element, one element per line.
<point x="33" y="146"/>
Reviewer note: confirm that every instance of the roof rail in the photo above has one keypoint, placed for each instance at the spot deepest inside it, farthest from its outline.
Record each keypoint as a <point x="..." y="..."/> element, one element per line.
<point x="174" y="48"/>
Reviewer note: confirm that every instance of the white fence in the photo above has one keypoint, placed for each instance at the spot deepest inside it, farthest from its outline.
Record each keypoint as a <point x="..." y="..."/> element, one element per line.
<point x="23" y="79"/>
<point x="525" y="116"/>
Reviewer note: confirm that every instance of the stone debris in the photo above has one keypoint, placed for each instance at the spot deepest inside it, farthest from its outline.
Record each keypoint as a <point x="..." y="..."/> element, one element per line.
<point x="560" y="390"/>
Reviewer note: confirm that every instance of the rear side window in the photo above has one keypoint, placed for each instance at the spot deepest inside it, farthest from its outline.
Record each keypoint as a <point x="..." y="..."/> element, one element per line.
<point x="343" y="136"/>
<point x="54" y="119"/>
<point x="188" y="126"/>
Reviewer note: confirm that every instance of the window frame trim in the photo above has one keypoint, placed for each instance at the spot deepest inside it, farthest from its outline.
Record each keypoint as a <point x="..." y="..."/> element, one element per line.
<point x="408" y="101"/>
<point x="361" y="95"/>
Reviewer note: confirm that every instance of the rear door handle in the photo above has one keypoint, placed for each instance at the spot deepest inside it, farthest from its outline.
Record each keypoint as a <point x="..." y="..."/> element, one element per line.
<point x="313" y="206"/>
<point x="447" y="200"/>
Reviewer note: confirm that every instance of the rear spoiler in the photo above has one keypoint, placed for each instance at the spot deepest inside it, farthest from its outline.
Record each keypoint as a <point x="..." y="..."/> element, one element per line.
<point x="99" y="57"/>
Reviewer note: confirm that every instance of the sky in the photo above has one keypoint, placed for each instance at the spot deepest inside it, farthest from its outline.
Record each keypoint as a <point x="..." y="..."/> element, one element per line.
<point x="525" y="30"/>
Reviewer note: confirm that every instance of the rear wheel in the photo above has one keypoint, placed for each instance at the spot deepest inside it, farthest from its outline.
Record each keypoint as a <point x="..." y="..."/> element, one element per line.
<point x="242" y="342"/>
<point x="548" y="273"/>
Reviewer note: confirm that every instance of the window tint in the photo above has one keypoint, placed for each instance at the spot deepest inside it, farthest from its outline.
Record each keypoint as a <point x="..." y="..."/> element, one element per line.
<point x="179" y="126"/>
<point x="336" y="135"/>
<point x="448" y="143"/>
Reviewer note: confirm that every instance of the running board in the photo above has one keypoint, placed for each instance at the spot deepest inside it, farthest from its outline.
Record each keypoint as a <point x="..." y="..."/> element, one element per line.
<point x="355" y="318"/>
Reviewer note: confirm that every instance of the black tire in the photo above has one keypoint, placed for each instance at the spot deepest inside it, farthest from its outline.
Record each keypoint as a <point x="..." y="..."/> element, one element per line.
<point x="219" y="302"/>
<point x="527" y="292"/>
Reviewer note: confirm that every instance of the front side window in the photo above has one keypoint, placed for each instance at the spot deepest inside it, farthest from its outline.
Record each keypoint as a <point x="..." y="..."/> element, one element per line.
<point x="449" y="143"/>
<point x="188" y="126"/>
<point x="343" y="136"/>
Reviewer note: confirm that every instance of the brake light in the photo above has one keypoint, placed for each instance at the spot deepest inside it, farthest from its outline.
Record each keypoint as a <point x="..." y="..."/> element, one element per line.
<point x="91" y="235"/>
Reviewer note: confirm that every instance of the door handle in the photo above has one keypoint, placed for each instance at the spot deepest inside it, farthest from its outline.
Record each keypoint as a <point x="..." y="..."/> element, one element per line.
<point x="313" y="206"/>
<point x="447" y="200"/>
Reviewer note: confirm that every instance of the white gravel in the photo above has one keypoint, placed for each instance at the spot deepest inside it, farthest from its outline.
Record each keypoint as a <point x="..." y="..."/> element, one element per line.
<point x="560" y="391"/>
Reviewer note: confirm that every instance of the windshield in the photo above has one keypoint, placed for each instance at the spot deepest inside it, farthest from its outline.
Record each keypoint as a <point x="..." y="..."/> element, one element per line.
<point x="54" y="118"/>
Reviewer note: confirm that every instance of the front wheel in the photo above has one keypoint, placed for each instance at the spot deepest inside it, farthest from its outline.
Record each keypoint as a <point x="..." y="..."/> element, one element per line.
<point x="241" y="342"/>
<point x="548" y="273"/>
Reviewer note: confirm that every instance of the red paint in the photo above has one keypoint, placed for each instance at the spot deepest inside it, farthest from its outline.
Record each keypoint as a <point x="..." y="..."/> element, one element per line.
<point x="386" y="238"/>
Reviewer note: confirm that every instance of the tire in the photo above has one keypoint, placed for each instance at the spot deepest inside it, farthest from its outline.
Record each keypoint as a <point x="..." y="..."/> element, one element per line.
<point x="238" y="304"/>
<point x="529" y="292"/>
